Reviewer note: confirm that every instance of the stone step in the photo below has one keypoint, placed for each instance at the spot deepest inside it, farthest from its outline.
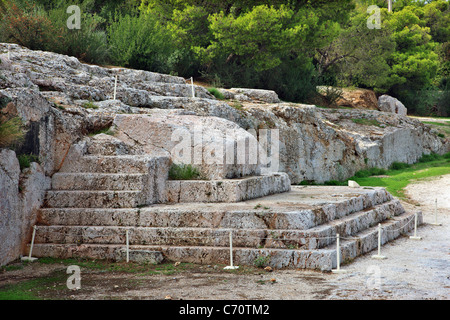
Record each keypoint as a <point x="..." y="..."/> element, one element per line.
<point x="97" y="181"/>
<point x="320" y="259"/>
<point x="173" y="89"/>
<point x="93" y="199"/>
<point x="305" y="239"/>
<point x="244" y="215"/>
<point x="109" y="164"/>
<point x="227" y="190"/>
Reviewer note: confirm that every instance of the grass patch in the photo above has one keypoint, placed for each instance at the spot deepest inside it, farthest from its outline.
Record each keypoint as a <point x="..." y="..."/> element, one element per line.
<point x="11" y="132"/>
<point x="447" y="124"/>
<point x="25" y="160"/>
<point x="89" y="105"/>
<point x="53" y="285"/>
<point x="401" y="174"/>
<point x="184" y="172"/>
<point x="398" y="176"/>
<point x="370" y="172"/>
<point x="107" y="131"/>
<point x="32" y="289"/>
<point x="216" y="93"/>
<point x="442" y="128"/>
<point x="399" y="166"/>
<point x="262" y="261"/>
<point x="367" y="122"/>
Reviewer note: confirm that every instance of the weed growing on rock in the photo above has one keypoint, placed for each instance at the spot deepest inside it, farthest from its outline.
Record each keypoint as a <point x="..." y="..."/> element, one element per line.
<point x="25" y="160"/>
<point x="216" y="93"/>
<point x="11" y="132"/>
<point x="262" y="261"/>
<point x="183" y="172"/>
<point x="89" y="105"/>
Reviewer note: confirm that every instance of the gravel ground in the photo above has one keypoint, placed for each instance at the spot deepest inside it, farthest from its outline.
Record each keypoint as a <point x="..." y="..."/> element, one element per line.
<point x="414" y="269"/>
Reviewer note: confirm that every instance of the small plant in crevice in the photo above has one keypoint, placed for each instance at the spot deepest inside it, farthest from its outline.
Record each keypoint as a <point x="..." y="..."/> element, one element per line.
<point x="262" y="261"/>
<point x="107" y="131"/>
<point x="25" y="160"/>
<point x="89" y="105"/>
<point x="184" y="172"/>
<point x="216" y="93"/>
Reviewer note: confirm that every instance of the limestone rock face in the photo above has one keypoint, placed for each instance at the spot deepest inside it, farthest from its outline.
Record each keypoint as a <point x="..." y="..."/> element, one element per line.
<point x="9" y="205"/>
<point x="245" y="94"/>
<point x="389" y="104"/>
<point x="21" y="197"/>
<point x="209" y="143"/>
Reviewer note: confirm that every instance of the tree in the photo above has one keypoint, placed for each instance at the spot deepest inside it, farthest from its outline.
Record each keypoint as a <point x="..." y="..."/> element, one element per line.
<point x="358" y="56"/>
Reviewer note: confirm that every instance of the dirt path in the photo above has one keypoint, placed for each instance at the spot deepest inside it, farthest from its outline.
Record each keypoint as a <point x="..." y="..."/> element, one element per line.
<point x="414" y="269"/>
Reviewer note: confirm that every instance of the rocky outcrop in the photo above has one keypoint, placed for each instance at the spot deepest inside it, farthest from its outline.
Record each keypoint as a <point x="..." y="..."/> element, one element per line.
<point x="22" y="195"/>
<point x="389" y="104"/>
<point x="115" y="154"/>
<point x="248" y="95"/>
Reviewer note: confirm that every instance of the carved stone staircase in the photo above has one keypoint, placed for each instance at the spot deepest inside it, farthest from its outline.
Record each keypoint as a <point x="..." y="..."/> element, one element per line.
<point x="96" y="199"/>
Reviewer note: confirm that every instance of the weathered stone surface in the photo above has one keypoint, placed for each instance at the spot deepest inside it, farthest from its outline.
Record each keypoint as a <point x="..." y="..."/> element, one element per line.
<point x="320" y="259"/>
<point x="208" y="143"/>
<point x="389" y="104"/>
<point x="233" y="190"/>
<point x="140" y="256"/>
<point x="9" y="206"/>
<point x="258" y="95"/>
<point x="22" y="195"/>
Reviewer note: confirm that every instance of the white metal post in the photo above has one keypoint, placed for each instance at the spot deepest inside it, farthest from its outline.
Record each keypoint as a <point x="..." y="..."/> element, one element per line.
<point x="115" y="87"/>
<point x="379" y="256"/>
<point x="231" y="266"/>
<point x="192" y="87"/>
<point x="435" y="215"/>
<point x="389" y="5"/>
<point x="338" y="256"/>
<point x="128" y="246"/>
<point x="415" y="237"/>
<point x="30" y="258"/>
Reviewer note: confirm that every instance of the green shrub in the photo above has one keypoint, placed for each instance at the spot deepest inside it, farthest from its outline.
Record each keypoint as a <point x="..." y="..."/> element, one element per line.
<point x="25" y="24"/>
<point x="216" y="93"/>
<point x="332" y="95"/>
<point x="11" y="132"/>
<point x="261" y="261"/>
<point x="183" y="172"/>
<point x="89" y="105"/>
<point x="377" y="171"/>
<point x="107" y="131"/>
<point x="89" y="43"/>
<point x="333" y="183"/>
<point x="307" y="183"/>
<point x="140" y="42"/>
<point x="25" y="160"/>
<point x="429" y="157"/>
<point x="399" y="166"/>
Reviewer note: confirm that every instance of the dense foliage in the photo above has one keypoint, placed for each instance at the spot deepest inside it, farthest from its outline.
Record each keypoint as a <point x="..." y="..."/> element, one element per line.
<point x="287" y="46"/>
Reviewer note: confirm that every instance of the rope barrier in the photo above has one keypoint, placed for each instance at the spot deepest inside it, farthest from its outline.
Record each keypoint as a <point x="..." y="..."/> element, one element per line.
<point x="102" y="233"/>
<point x="94" y="232"/>
<point x="106" y="232"/>
<point x="395" y="230"/>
